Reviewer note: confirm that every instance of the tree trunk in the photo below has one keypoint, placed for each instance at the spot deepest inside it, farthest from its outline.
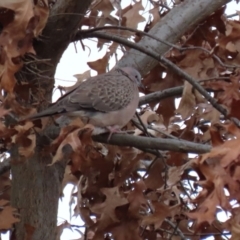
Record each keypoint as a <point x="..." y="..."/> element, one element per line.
<point x="35" y="192"/>
<point x="35" y="185"/>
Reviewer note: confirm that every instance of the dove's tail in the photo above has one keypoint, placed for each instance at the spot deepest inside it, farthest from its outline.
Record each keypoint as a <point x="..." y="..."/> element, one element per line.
<point x="46" y="113"/>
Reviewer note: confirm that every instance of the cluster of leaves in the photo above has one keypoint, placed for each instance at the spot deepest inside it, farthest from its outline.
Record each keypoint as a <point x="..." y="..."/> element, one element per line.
<point x="123" y="192"/>
<point x="120" y="194"/>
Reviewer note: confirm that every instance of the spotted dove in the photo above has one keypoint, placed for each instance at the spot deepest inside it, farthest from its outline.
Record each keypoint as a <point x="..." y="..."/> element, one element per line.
<point x="107" y="101"/>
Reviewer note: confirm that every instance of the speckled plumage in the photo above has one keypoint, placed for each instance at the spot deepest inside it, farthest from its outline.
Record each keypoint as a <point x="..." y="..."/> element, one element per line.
<point x="108" y="99"/>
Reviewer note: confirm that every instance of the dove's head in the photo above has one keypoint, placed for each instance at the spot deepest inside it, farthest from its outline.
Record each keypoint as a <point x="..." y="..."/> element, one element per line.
<point x="133" y="74"/>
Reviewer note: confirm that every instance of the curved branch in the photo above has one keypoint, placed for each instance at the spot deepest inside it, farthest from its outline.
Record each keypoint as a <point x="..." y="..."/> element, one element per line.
<point x="160" y="95"/>
<point x="153" y="143"/>
<point x="166" y="93"/>
<point x="165" y="62"/>
<point x="172" y="26"/>
<point x="63" y="21"/>
<point x="170" y="45"/>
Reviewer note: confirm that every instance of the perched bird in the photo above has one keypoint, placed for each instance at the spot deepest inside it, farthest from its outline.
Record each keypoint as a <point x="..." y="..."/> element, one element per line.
<point x="107" y="101"/>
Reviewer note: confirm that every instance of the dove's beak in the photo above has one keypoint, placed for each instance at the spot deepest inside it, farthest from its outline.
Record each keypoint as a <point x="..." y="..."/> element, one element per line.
<point x="142" y="86"/>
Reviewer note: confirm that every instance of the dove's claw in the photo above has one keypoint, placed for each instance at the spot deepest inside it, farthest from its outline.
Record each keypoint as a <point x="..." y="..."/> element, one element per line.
<point x="115" y="129"/>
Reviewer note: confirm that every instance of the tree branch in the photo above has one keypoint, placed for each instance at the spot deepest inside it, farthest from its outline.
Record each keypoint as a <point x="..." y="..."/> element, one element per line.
<point x="153" y="143"/>
<point x="171" y="27"/>
<point x="170" y="45"/>
<point x="63" y="21"/>
<point x="164" y="61"/>
<point x="160" y="95"/>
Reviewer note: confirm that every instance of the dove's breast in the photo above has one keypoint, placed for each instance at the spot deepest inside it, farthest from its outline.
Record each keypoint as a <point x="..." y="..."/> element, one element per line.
<point x="118" y="117"/>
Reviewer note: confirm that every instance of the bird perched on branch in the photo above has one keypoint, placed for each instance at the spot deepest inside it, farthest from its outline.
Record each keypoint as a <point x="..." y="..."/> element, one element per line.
<point x="107" y="101"/>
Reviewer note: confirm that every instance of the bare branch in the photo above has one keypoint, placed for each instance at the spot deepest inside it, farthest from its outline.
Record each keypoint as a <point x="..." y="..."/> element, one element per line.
<point x="160" y="95"/>
<point x="153" y="143"/>
<point x="172" y="26"/>
<point x="168" y="64"/>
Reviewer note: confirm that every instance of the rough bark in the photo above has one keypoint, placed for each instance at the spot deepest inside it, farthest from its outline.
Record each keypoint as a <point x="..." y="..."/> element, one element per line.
<point x="63" y="22"/>
<point x="35" y="192"/>
<point x="170" y="28"/>
<point x="36" y="186"/>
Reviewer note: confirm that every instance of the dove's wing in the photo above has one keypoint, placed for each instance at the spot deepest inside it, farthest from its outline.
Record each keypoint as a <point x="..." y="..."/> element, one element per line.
<point x="107" y="92"/>
<point x="104" y="93"/>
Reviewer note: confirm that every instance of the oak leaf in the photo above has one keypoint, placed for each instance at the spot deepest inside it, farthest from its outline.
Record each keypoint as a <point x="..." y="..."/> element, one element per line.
<point x="114" y="198"/>
<point x="132" y="16"/>
<point x="7" y="217"/>
<point x="100" y="65"/>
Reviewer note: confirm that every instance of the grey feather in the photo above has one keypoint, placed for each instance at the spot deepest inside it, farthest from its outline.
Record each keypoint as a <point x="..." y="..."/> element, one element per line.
<point x="105" y="93"/>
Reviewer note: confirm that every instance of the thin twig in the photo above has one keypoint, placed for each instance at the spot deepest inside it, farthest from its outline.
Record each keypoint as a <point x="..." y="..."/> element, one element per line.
<point x="143" y="125"/>
<point x="180" y="233"/>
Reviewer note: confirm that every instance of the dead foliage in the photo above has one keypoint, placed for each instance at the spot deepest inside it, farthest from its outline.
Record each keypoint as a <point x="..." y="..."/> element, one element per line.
<point x="123" y="193"/>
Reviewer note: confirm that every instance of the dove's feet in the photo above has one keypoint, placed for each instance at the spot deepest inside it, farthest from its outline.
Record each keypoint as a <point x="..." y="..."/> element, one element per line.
<point x="115" y="129"/>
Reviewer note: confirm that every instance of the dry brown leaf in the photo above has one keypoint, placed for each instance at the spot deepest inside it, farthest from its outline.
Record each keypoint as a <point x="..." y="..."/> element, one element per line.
<point x="215" y="137"/>
<point x="230" y="92"/>
<point x="208" y="112"/>
<point x="7" y="218"/>
<point x="25" y="140"/>
<point x="75" y="139"/>
<point x="128" y="159"/>
<point x="100" y="65"/>
<point x="166" y="109"/>
<point x="206" y="211"/>
<point x="28" y="151"/>
<point x="160" y="212"/>
<point x="16" y="107"/>
<point x="176" y="159"/>
<point x="187" y="103"/>
<point x="228" y="152"/>
<point x="105" y="6"/>
<point x="229" y="44"/>
<point x="4" y="111"/>
<point x="132" y="16"/>
<point x="213" y="195"/>
<point x="175" y="173"/>
<point x="29" y="231"/>
<point x="17" y="34"/>
<point x="136" y="198"/>
<point x="233" y="224"/>
<point x="114" y="198"/>
<point x="127" y="230"/>
<point x="154" y="179"/>
<point x="80" y="78"/>
<point x="156" y="17"/>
